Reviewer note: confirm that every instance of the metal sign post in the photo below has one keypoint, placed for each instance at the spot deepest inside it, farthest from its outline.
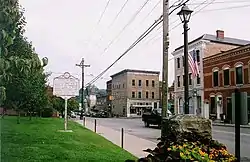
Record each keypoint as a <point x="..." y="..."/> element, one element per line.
<point x="66" y="86"/>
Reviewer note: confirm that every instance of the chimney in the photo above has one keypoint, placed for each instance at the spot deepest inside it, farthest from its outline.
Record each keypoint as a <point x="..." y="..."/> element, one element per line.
<point x="219" y="34"/>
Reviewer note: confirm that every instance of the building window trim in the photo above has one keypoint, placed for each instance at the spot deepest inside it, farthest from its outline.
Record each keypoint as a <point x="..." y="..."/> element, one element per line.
<point x="146" y="94"/>
<point x="226" y="67"/>
<point x="133" y="96"/>
<point x="237" y="65"/>
<point x="153" y="83"/>
<point x="139" y="83"/>
<point x="139" y="94"/>
<point x="153" y="95"/>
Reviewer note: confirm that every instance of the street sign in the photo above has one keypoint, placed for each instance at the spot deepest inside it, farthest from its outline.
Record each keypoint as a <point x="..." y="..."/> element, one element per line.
<point x="66" y="85"/>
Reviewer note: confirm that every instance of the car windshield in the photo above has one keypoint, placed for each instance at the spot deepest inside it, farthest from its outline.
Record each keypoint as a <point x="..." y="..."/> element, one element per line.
<point x="159" y="111"/>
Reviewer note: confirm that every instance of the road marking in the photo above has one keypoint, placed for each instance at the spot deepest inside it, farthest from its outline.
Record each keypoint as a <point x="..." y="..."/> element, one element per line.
<point x="242" y="134"/>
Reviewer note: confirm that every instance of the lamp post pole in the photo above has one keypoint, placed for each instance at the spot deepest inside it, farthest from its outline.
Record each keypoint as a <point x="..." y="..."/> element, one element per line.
<point x="186" y="90"/>
<point x="185" y="14"/>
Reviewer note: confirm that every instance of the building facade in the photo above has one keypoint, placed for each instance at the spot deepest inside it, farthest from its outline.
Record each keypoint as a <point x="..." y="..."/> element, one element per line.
<point x="204" y="46"/>
<point x="101" y="102"/>
<point x="223" y="73"/>
<point x="134" y="92"/>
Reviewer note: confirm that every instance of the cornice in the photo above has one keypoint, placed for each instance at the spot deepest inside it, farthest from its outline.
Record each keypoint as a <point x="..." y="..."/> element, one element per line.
<point x="227" y="54"/>
<point x="191" y="46"/>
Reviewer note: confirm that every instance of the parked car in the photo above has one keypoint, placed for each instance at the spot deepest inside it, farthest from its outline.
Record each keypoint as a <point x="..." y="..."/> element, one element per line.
<point x="73" y="115"/>
<point x="154" y="117"/>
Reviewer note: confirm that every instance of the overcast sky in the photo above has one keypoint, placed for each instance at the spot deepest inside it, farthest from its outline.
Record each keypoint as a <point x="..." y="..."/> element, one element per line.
<point x="67" y="30"/>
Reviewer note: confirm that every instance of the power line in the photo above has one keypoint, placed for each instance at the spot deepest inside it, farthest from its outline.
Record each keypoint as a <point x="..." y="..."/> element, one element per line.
<point x="99" y="20"/>
<point x="148" y="31"/>
<point x="150" y="11"/>
<point x="113" y="21"/>
<point x="144" y="34"/>
<point x="123" y="29"/>
<point x="223" y="2"/>
<point x="227" y="8"/>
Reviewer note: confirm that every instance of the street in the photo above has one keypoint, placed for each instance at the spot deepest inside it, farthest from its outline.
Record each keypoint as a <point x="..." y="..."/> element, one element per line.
<point x="136" y="127"/>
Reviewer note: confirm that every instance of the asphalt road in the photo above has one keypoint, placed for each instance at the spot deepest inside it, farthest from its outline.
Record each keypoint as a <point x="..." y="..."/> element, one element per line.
<point x="136" y="127"/>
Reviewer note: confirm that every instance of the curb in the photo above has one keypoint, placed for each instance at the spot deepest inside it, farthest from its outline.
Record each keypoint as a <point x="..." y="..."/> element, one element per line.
<point x="230" y="125"/>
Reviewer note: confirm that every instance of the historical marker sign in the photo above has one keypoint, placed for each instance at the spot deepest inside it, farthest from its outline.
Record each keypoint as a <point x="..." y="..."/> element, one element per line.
<point x="66" y="85"/>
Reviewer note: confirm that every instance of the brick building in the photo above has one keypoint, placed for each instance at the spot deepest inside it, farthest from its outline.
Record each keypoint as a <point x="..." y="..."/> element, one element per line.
<point x="224" y="72"/>
<point x="202" y="47"/>
<point x="134" y="92"/>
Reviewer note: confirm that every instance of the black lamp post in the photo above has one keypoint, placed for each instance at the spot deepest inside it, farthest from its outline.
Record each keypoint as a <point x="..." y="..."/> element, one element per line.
<point x="185" y="15"/>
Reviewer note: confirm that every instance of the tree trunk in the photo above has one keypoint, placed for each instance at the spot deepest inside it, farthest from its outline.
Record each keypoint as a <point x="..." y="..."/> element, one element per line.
<point x="18" y="118"/>
<point x="30" y="115"/>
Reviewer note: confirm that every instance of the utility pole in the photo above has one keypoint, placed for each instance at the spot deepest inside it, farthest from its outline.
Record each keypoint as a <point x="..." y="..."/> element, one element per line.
<point x="165" y="66"/>
<point x="82" y="65"/>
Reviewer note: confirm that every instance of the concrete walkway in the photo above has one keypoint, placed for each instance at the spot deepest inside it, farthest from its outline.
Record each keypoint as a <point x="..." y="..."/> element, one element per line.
<point x="132" y="144"/>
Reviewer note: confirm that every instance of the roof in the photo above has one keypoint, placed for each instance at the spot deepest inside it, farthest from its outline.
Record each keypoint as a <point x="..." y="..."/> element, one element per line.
<point x="213" y="38"/>
<point x="135" y="71"/>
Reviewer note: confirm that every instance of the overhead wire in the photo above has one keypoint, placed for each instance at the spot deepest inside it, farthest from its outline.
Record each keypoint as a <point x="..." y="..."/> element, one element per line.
<point x="200" y="4"/>
<point x="115" y="18"/>
<point x="227" y="8"/>
<point x="222" y="2"/>
<point x="150" y="11"/>
<point x="123" y="29"/>
<point x="98" y="22"/>
<point x="143" y="35"/>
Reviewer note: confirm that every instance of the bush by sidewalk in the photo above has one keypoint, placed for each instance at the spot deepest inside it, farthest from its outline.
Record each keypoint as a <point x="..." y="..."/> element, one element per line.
<point x="39" y="140"/>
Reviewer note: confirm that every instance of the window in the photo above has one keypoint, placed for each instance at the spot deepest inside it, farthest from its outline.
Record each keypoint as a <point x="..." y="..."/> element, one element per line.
<point x="139" y="83"/>
<point x="226" y="77"/>
<point x="178" y="81"/>
<point x="183" y="61"/>
<point x="198" y="79"/>
<point x="139" y="94"/>
<point x="183" y="79"/>
<point x="133" y="82"/>
<point x="146" y="94"/>
<point x="190" y="79"/>
<point x="212" y="105"/>
<point x="123" y="86"/>
<point x="153" y="83"/>
<point x="239" y="75"/>
<point x="178" y="62"/>
<point x="133" y="94"/>
<point x="198" y="56"/>
<point x="216" y="78"/>
<point x="153" y="95"/>
<point x="147" y="83"/>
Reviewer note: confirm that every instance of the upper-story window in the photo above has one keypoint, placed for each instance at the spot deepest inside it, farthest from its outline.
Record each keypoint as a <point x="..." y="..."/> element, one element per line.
<point x="190" y="78"/>
<point x="147" y="83"/>
<point x="249" y="71"/>
<point x="153" y="95"/>
<point x="198" y="79"/>
<point x="139" y="95"/>
<point x="178" y="62"/>
<point x="146" y="94"/>
<point x="198" y="58"/>
<point x="183" y="61"/>
<point x="226" y="76"/>
<point x="133" y="94"/>
<point x="183" y="80"/>
<point x="153" y="83"/>
<point x="239" y="74"/>
<point x="139" y="83"/>
<point x="216" y="77"/>
<point x="123" y="85"/>
<point x="178" y="81"/>
<point x="133" y="82"/>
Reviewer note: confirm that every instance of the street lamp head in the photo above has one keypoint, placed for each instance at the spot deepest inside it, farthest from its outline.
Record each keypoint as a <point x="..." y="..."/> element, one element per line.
<point x="185" y="14"/>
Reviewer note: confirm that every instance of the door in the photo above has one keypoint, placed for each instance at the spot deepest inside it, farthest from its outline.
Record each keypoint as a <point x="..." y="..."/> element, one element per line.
<point x="229" y="109"/>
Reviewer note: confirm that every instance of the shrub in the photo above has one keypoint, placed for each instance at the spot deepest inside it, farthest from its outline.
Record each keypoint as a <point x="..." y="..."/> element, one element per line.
<point x="205" y="151"/>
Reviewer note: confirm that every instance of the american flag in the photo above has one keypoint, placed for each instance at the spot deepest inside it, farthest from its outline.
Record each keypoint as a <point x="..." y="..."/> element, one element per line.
<point x="193" y="63"/>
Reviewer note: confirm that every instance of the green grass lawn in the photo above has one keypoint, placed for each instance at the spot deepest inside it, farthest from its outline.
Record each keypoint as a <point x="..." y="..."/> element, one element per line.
<point x="39" y="140"/>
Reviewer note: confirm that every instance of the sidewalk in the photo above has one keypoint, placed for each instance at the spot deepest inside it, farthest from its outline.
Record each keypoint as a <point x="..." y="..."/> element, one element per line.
<point x="229" y="125"/>
<point x="131" y="143"/>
